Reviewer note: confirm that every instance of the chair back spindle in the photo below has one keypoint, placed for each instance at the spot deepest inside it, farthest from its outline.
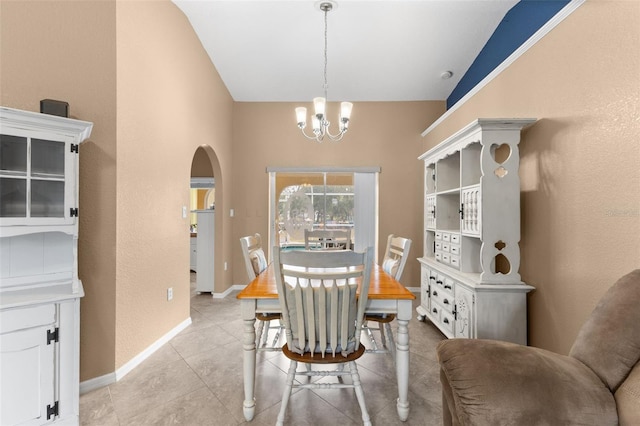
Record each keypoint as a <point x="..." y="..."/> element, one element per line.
<point x="322" y="309"/>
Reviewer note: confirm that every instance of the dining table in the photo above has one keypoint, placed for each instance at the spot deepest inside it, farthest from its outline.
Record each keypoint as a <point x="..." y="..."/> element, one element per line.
<point x="386" y="296"/>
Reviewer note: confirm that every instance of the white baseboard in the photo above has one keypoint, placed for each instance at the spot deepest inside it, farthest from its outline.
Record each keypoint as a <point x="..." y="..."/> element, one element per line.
<point x="228" y="291"/>
<point x="97" y="383"/>
<point x="110" y="378"/>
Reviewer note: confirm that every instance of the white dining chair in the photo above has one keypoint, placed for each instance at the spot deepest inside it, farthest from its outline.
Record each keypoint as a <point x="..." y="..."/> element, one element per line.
<point x="327" y="239"/>
<point x="393" y="262"/>
<point x="322" y="314"/>
<point x="256" y="262"/>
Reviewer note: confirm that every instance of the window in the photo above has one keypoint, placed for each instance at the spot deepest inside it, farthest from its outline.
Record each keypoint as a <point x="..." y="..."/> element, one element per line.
<point x="312" y="201"/>
<point x="323" y="199"/>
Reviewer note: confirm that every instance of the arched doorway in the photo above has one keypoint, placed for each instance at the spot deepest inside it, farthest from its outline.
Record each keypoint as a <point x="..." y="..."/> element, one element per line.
<point x="205" y="200"/>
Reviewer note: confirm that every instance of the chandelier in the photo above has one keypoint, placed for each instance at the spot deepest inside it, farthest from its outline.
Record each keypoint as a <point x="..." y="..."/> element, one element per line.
<point x="319" y="123"/>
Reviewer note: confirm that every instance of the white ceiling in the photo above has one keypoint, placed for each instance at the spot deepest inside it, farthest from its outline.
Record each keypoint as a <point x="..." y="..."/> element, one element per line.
<point x="272" y="51"/>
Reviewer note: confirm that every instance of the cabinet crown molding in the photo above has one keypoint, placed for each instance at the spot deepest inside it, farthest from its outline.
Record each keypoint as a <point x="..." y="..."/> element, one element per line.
<point x="471" y="133"/>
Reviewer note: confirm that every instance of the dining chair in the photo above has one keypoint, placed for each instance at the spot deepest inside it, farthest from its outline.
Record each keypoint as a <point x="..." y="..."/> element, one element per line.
<point x="327" y="239"/>
<point x="322" y="314"/>
<point x="395" y="257"/>
<point x="255" y="262"/>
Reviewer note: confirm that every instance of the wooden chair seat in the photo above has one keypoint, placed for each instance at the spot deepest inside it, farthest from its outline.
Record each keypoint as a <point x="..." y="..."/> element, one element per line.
<point x="381" y="318"/>
<point x="269" y="316"/>
<point x="310" y="358"/>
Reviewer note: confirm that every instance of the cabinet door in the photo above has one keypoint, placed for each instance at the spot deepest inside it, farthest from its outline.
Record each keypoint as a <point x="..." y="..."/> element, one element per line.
<point x="37" y="178"/>
<point x="430" y="212"/>
<point x="470" y="218"/>
<point x="27" y="370"/>
<point x="425" y="288"/>
<point x="464" y="313"/>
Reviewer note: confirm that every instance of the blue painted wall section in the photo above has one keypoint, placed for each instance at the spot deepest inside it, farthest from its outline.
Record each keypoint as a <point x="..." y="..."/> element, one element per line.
<point x="517" y="26"/>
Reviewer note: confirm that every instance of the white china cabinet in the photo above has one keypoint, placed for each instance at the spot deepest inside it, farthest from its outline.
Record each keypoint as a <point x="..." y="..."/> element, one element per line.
<point x="470" y="285"/>
<point x="39" y="286"/>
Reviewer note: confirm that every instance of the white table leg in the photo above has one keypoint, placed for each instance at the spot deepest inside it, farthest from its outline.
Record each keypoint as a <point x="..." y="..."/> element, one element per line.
<point x="402" y="358"/>
<point x="248" y="307"/>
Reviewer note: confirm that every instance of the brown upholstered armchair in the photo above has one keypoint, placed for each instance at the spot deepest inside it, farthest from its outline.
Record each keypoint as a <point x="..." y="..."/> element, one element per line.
<point x="487" y="382"/>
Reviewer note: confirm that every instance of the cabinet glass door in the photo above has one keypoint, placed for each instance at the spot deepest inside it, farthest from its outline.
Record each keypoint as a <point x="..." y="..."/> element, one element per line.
<point x="47" y="178"/>
<point x="13" y="176"/>
<point x="32" y="178"/>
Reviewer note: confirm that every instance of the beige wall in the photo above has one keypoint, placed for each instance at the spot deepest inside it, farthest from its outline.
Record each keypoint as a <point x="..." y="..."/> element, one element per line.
<point x="580" y="168"/>
<point x="137" y="70"/>
<point x="170" y="102"/>
<point x="380" y="134"/>
<point x="67" y="51"/>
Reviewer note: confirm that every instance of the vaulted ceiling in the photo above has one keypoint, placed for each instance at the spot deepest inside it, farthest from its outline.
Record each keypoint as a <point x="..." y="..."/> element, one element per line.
<point x="377" y="50"/>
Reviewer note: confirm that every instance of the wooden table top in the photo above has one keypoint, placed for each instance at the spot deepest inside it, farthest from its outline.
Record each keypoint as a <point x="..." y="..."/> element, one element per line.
<point x="382" y="286"/>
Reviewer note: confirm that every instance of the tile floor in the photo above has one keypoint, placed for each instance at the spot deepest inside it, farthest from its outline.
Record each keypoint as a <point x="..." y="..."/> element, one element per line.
<point x="196" y="379"/>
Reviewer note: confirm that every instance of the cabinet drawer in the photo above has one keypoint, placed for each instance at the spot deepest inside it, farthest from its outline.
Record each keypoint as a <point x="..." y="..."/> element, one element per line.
<point x="435" y="312"/>
<point x="438" y="245"/>
<point x="444" y="284"/>
<point x="438" y="235"/>
<point x="447" y="285"/>
<point x="446" y="321"/>
<point x="455" y="239"/>
<point x="455" y="261"/>
<point x="439" y="256"/>
<point x="446" y="247"/>
<point x="455" y="249"/>
<point x="446" y="258"/>
<point x="447" y="304"/>
<point x="437" y="294"/>
<point x="23" y="318"/>
<point x="446" y="236"/>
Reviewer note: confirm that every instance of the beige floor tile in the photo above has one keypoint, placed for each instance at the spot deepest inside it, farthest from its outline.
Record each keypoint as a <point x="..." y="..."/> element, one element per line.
<point x="196" y="380"/>
<point x="222" y="372"/>
<point x="149" y="387"/>
<point x="306" y="408"/>
<point x="207" y="339"/>
<point x="96" y="408"/>
<point x="200" y="407"/>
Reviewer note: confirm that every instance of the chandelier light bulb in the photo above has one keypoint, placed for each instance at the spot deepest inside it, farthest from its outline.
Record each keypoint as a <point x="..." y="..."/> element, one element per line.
<point x="315" y="124"/>
<point x="319" y="105"/>
<point x="301" y="116"/>
<point x="345" y="111"/>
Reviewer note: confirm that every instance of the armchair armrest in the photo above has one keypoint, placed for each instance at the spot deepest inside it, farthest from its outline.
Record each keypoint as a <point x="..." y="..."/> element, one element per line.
<point x="499" y="383"/>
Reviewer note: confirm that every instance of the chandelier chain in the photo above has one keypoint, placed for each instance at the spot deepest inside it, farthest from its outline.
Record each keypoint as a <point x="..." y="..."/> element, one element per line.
<point x="326" y="85"/>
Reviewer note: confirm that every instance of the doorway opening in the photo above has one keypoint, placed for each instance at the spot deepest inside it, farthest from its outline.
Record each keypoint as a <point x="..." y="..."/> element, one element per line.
<point x="205" y="232"/>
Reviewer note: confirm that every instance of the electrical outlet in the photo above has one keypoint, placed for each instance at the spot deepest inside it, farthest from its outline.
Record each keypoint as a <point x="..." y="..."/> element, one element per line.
<point x="225" y="266"/>
<point x="170" y="293"/>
